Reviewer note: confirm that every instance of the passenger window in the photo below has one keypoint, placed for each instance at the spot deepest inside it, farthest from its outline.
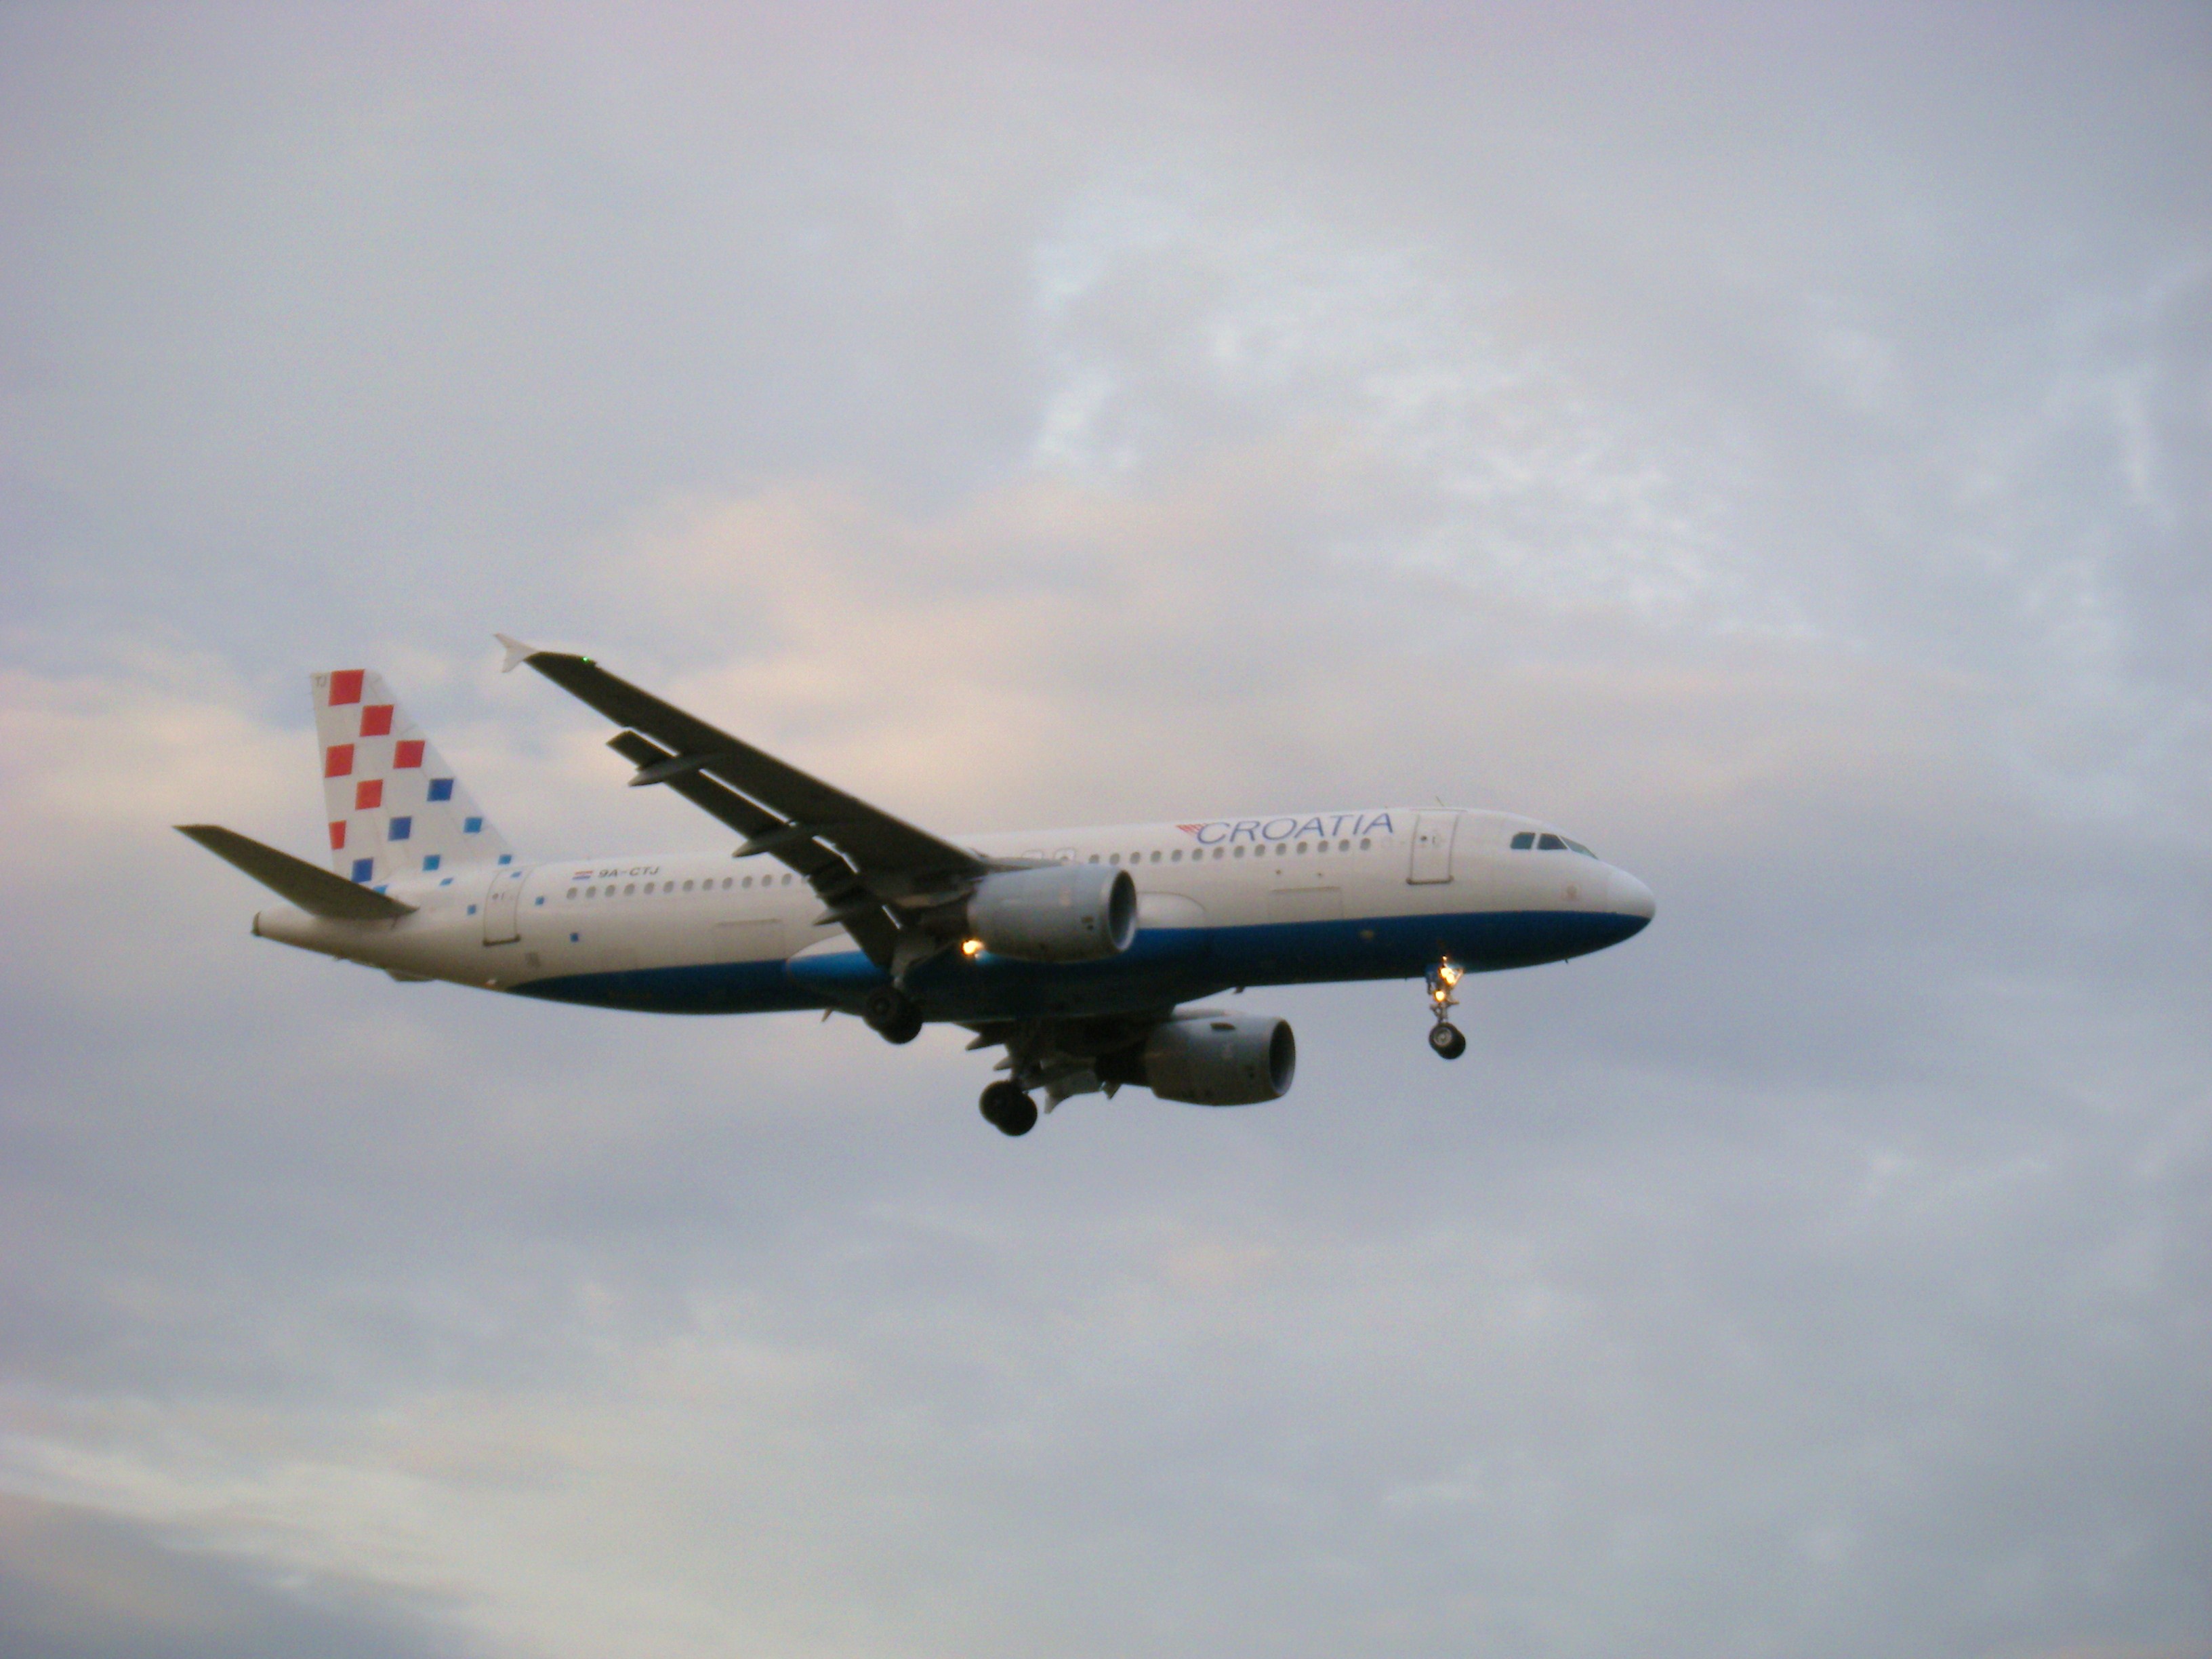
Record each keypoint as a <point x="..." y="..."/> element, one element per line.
<point x="749" y="881"/>
<point x="1156" y="857"/>
<point x="1240" y="850"/>
<point x="591" y="892"/>
<point x="727" y="884"/>
<point x="1111" y="858"/>
<point x="1177" y="859"/>
<point x="1302" y="849"/>
<point x="572" y="892"/>
<point x="1094" y="857"/>
<point x="1366" y="843"/>
<point x="1524" y="841"/>
<point x="630" y="889"/>
<point x="1550" y="844"/>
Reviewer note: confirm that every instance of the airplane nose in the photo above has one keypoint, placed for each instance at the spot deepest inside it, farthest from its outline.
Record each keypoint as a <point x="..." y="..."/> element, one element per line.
<point x="1630" y="897"/>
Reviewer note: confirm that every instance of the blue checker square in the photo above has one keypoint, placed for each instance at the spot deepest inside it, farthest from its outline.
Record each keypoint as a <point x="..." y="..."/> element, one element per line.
<point x="400" y="829"/>
<point x="441" y="789"/>
<point x="470" y="826"/>
<point x="505" y="857"/>
<point x="433" y="862"/>
<point x="363" y="868"/>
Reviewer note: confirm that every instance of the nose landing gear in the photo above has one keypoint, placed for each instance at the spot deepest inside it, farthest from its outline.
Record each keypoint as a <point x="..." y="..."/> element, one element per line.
<point x="1444" y="1037"/>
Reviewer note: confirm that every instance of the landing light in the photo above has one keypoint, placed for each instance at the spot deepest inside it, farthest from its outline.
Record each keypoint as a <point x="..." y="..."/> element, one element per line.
<point x="971" y="947"/>
<point x="1449" y="973"/>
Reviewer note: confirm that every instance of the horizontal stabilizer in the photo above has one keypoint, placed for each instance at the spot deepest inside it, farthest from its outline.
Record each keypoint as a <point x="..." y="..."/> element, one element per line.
<point x="314" y="888"/>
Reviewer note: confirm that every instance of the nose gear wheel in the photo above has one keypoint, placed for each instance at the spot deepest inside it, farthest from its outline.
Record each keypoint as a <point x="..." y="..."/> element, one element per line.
<point x="1444" y="1037"/>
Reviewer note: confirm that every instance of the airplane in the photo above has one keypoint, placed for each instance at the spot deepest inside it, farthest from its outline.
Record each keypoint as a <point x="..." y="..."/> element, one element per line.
<point x="1079" y="952"/>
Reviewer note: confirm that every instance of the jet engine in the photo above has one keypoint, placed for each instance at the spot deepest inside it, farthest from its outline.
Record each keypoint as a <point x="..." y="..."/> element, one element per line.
<point x="1058" y="913"/>
<point x="1206" y="1059"/>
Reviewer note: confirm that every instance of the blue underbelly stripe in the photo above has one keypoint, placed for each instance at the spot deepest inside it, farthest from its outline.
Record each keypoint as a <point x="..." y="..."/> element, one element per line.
<point x="1163" y="965"/>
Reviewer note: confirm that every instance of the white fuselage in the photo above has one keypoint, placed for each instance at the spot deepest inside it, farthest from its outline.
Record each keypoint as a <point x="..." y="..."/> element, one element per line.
<point x="1382" y="893"/>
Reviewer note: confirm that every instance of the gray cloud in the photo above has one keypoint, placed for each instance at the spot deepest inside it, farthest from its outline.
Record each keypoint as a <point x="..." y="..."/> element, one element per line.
<point x="80" y="1586"/>
<point x="1776" y="448"/>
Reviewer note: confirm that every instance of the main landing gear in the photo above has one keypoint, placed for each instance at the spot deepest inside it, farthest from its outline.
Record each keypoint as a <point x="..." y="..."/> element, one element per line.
<point x="1444" y="1037"/>
<point x="892" y="1014"/>
<point x="1007" y="1108"/>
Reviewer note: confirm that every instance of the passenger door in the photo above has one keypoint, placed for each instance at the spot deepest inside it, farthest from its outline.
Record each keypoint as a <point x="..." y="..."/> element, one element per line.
<point x="502" y="904"/>
<point x="1433" y="833"/>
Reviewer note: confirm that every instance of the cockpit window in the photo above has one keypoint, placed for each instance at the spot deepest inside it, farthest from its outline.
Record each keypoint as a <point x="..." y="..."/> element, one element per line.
<point x="1548" y="842"/>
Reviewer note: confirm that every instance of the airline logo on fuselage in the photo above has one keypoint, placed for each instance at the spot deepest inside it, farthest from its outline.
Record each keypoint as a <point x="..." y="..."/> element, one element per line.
<point x="1288" y="828"/>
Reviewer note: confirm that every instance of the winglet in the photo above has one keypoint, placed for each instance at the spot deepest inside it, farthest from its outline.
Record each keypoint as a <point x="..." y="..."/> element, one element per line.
<point x="517" y="653"/>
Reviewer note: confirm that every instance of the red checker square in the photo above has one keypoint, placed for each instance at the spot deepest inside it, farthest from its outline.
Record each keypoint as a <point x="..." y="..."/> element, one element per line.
<point x="376" y="720"/>
<point x="408" y="751"/>
<point x="368" y="792"/>
<point x="338" y="761"/>
<point x="346" y="686"/>
<point x="337" y="834"/>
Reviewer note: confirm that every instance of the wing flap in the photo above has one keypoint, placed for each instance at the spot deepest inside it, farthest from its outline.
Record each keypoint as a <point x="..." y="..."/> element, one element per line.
<point x="891" y="854"/>
<point x="832" y="878"/>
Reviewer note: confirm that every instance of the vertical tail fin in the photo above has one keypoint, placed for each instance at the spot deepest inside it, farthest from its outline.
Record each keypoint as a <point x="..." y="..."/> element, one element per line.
<point x="394" y="806"/>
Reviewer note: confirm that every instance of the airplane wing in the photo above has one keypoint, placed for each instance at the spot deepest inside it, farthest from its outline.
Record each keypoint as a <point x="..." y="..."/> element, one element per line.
<point x="871" y="870"/>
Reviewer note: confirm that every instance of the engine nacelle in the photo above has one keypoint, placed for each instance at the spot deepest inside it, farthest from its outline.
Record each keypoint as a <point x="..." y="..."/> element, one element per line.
<point x="1057" y="913"/>
<point x="1221" y="1059"/>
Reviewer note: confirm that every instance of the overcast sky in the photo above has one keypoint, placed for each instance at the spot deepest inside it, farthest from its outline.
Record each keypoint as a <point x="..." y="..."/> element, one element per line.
<point x="1776" y="449"/>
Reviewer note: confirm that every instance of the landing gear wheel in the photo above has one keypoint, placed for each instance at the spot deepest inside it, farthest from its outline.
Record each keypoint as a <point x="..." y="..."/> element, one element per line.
<point x="890" y="1014"/>
<point x="1008" y="1108"/>
<point x="1444" y="1035"/>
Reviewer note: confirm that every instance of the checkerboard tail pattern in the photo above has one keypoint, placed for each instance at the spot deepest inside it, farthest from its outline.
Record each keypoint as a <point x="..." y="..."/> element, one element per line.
<point x="394" y="806"/>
